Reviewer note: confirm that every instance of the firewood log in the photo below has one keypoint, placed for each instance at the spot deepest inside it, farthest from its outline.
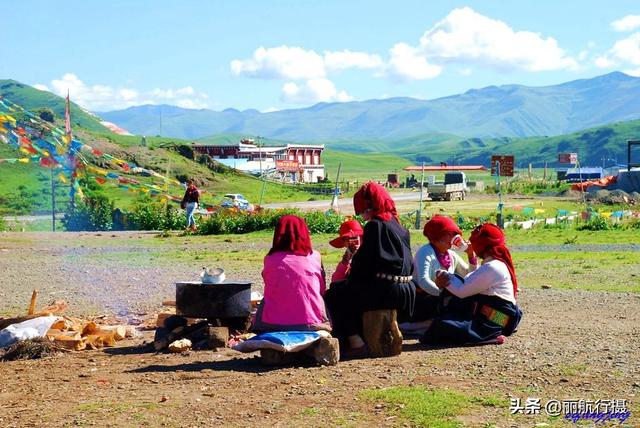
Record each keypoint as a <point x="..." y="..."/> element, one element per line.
<point x="70" y="343"/>
<point x="119" y="331"/>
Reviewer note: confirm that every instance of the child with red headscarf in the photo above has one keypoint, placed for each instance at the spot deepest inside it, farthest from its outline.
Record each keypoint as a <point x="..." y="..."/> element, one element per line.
<point x="381" y="270"/>
<point x="294" y="282"/>
<point x="437" y="255"/>
<point x="487" y="310"/>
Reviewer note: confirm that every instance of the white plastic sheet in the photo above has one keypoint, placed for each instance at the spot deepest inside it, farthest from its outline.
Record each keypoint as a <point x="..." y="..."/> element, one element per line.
<point x="36" y="327"/>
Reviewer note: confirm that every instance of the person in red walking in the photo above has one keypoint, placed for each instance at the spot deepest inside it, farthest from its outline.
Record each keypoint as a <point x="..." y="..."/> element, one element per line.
<point x="190" y="203"/>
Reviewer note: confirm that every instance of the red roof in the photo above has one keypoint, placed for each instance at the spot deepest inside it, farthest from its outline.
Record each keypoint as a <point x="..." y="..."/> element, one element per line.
<point x="447" y="168"/>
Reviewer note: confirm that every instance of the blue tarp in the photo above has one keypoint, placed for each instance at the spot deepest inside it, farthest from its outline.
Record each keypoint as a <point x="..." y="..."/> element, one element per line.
<point x="285" y="341"/>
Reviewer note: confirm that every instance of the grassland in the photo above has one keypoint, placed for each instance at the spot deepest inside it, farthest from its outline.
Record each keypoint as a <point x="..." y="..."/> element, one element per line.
<point x="542" y="257"/>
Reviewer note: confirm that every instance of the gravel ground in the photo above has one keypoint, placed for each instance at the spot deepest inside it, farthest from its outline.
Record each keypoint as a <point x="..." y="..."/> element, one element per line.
<point x="571" y="345"/>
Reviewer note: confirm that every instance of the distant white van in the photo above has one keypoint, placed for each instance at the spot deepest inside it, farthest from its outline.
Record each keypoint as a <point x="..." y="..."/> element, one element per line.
<point x="236" y="200"/>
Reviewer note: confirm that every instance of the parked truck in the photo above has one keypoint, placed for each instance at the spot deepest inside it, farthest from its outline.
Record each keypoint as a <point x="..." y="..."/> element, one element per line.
<point x="453" y="188"/>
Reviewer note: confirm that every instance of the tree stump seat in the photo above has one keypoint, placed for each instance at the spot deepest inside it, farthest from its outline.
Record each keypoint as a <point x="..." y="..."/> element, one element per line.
<point x="381" y="332"/>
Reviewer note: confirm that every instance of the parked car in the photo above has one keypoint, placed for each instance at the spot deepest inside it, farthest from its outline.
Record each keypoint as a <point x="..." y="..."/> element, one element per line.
<point x="236" y="200"/>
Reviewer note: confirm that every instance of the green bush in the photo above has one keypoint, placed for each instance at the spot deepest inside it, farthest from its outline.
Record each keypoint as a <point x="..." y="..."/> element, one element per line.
<point x="319" y="222"/>
<point x="148" y="214"/>
<point x="526" y="187"/>
<point x="634" y="223"/>
<point x="232" y="221"/>
<point x="3" y="224"/>
<point x="21" y="202"/>
<point x="92" y="213"/>
<point x="598" y="223"/>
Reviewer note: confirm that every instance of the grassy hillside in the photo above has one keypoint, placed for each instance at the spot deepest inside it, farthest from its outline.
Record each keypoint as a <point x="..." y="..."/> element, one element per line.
<point x="362" y="167"/>
<point x="160" y="155"/>
<point x="595" y="146"/>
<point x="33" y="99"/>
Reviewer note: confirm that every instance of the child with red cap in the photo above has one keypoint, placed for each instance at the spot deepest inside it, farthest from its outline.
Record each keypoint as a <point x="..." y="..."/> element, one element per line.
<point x="488" y="309"/>
<point x="350" y="238"/>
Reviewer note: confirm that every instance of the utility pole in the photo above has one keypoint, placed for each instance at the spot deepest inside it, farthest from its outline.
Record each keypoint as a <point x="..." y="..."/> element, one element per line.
<point x="336" y="191"/>
<point x="53" y="202"/>
<point x="264" y="182"/>
<point x="419" y="212"/>
<point x="500" y="220"/>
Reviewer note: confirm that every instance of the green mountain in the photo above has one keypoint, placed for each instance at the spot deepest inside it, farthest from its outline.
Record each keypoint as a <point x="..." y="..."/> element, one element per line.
<point x="595" y="146"/>
<point x="494" y="111"/>
<point x="33" y="99"/>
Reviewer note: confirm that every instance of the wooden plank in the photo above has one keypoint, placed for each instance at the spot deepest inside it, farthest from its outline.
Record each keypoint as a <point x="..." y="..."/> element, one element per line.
<point x="32" y="304"/>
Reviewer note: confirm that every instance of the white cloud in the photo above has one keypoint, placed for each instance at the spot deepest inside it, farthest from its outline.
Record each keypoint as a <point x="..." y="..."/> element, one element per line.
<point x="172" y="94"/>
<point x="625" y="51"/>
<point x="635" y="73"/>
<point x="282" y="62"/>
<point x="406" y="63"/>
<point x="466" y="36"/>
<point x="604" y="62"/>
<point x="347" y="59"/>
<point x="128" y="94"/>
<point x="313" y="91"/>
<point x="628" y="23"/>
<point x="104" y="97"/>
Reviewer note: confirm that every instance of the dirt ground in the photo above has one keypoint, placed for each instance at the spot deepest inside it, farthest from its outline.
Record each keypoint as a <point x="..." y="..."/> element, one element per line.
<point x="571" y="345"/>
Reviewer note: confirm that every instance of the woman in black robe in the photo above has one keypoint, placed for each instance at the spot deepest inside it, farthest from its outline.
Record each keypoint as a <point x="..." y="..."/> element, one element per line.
<point x="381" y="269"/>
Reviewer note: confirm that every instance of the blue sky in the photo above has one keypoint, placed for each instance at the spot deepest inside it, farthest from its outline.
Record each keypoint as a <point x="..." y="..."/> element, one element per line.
<point x="272" y="55"/>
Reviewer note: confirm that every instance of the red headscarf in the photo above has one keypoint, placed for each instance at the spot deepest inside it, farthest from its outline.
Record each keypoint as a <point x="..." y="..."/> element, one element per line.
<point x="488" y="240"/>
<point x="375" y="197"/>
<point x="291" y="234"/>
<point x="438" y="226"/>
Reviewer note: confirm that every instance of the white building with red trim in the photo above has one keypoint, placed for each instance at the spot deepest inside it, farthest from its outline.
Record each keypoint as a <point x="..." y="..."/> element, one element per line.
<point x="300" y="163"/>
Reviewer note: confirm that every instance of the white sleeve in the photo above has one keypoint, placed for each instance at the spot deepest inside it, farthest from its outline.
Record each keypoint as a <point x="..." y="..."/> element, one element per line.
<point x="462" y="268"/>
<point x="476" y="282"/>
<point x="422" y="266"/>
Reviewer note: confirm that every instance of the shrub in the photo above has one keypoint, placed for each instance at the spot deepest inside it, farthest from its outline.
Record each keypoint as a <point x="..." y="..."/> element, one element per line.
<point x="21" y="202"/>
<point x="236" y="221"/>
<point x="598" y="223"/>
<point x="148" y="214"/>
<point x="47" y="114"/>
<point x="92" y="213"/>
<point x="633" y="223"/>
<point x="319" y="222"/>
<point x="233" y="221"/>
<point x="3" y="224"/>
